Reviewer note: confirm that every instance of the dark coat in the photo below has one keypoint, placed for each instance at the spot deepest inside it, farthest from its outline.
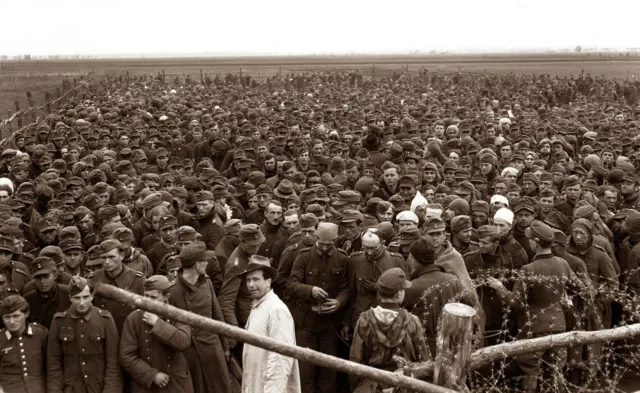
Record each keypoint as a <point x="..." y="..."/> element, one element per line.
<point x="362" y="297"/>
<point x="129" y="280"/>
<point x="223" y="251"/>
<point x="42" y="308"/>
<point x="235" y="298"/>
<point x="82" y="353"/>
<point x="329" y="272"/>
<point x="431" y="289"/>
<point x="145" y="351"/>
<point x="206" y="356"/>
<point x="210" y="227"/>
<point x="23" y="360"/>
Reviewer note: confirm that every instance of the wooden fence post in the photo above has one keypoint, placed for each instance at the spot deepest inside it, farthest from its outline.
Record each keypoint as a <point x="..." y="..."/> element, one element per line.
<point x="57" y="92"/>
<point x="454" y="346"/>
<point x="47" y="97"/>
<point x="162" y="76"/>
<point x="201" y="77"/>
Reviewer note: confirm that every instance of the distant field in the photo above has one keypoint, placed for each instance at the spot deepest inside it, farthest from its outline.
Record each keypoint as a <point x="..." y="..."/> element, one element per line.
<point x="40" y="76"/>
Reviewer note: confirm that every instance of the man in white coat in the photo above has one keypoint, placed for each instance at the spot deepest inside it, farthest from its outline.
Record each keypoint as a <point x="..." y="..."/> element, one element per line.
<point x="265" y="371"/>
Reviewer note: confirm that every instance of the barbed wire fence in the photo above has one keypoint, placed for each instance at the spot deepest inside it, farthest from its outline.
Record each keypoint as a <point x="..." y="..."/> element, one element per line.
<point x="586" y="307"/>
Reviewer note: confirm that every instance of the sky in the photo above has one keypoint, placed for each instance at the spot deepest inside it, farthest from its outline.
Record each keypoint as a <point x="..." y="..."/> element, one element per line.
<point x="284" y="27"/>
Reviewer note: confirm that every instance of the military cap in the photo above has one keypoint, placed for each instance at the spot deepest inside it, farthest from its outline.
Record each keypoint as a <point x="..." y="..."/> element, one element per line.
<point x="256" y="178"/>
<point x="123" y="234"/>
<point x="110" y="244"/>
<point x="571" y="181"/>
<point x="558" y="168"/>
<point x="173" y="262"/>
<point x="524" y="205"/>
<point x="398" y="202"/>
<point x="308" y="220"/>
<point x="465" y="188"/>
<point x="352" y="216"/>
<point x="179" y="192"/>
<point x="264" y="189"/>
<point x="152" y="200"/>
<point x="251" y="234"/>
<point x="93" y="201"/>
<point x="408" y="179"/>
<point x="70" y="244"/>
<point x="284" y="189"/>
<point x="408" y="236"/>
<point x="26" y="197"/>
<point x="322" y="160"/>
<point x="316" y="210"/>
<point x="207" y="173"/>
<point x="204" y="196"/>
<point x="76" y="181"/>
<point x="488" y="230"/>
<point x="308" y="196"/>
<point x="187" y="233"/>
<point x="538" y="230"/>
<point x="460" y="223"/>
<point x="157" y="283"/>
<point x="6" y="244"/>
<point x="559" y="236"/>
<point x="218" y="191"/>
<point x="365" y="185"/>
<point x="232" y="226"/>
<point x="392" y="281"/>
<point x="42" y="265"/>
<point x="347" y="196"/>
<point x="242" y="189"/>
<point x="194" y="253"/>
<point x="77" y="284"/>
<point x="107" y="212"/>
<point x="434" y="224"/>
<point x="335" y="187"/>
<point x="13" y="303"/>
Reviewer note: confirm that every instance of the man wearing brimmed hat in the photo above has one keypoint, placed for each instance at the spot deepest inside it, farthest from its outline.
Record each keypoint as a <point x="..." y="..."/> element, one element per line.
<point x="193" y="291"/>
<point x="269" y="317"/>
<point x="117" y="274"/>
<point x="319" y="287"/>
<point x="366" y="266"/>
<point x="23" y="344"/>
<point x="386" y="331"/>
<point x="83" y="345"/>
<point x="431" y="288"/>
<point x="151" y="348"/>
<point x="538" y="303"/>
<point x="49" y="296"/>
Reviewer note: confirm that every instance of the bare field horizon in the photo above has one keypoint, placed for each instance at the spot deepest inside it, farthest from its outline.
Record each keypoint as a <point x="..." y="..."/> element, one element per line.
<point x="43" y="76"/>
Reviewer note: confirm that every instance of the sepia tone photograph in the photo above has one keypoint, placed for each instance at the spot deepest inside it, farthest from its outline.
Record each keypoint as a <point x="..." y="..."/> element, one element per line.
<point x="333" y="197"/>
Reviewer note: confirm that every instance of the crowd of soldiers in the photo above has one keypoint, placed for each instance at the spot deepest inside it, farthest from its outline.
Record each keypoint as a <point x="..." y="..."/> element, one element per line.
<point x="374" y="202"/>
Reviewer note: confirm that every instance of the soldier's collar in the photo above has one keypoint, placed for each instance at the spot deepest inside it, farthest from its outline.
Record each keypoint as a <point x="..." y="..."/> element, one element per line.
<point x="28" y="331"/>
<point x="76" y="315"/>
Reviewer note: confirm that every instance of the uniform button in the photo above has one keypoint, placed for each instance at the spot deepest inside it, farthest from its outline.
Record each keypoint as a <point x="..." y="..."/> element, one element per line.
<point x="86" y="376"/>
<point x="20" y="344"/>
<point x="25" y="374"/>
<point x="82" y="349"/>
<point x="24" y="357"/>
<point x="82" y="335"/>
<point x="24" y="363"/>
<point x="83" y="363"/>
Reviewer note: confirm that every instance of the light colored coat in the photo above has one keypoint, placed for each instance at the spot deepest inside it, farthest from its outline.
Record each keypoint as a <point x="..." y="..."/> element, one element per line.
<point x="265" y="371"/>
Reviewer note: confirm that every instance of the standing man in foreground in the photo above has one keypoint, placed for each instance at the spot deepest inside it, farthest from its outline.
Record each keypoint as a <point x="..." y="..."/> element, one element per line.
<point x="265" y="371"/>
<point x="82" y="352"/>
<point x="23" y="349"/>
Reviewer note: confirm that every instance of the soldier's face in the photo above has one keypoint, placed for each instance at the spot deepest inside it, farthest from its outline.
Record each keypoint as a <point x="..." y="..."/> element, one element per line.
<point x="73" y="258"/>
<point x="112" y="260"/>
<point x="81" y="301"/>
<point x="156" y="296"/>
<point x="250" y="249"/>
<point x="15" y="322"/>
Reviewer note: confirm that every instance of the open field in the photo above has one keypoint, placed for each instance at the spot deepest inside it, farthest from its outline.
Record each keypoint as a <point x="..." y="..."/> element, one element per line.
<point x="40" y="76"/>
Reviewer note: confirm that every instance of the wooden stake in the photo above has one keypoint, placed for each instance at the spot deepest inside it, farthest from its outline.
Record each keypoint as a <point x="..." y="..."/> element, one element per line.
<point x="454" y="346"/>
<point x="304" y="354"/>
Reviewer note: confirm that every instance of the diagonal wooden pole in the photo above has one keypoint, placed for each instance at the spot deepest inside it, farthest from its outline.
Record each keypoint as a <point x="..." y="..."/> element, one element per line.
<point x="304" y="354"/>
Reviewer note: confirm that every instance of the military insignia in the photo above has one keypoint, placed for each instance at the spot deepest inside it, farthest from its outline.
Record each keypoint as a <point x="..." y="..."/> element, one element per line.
<point x="235" y="262"/>
<point x="6" y="350"/>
